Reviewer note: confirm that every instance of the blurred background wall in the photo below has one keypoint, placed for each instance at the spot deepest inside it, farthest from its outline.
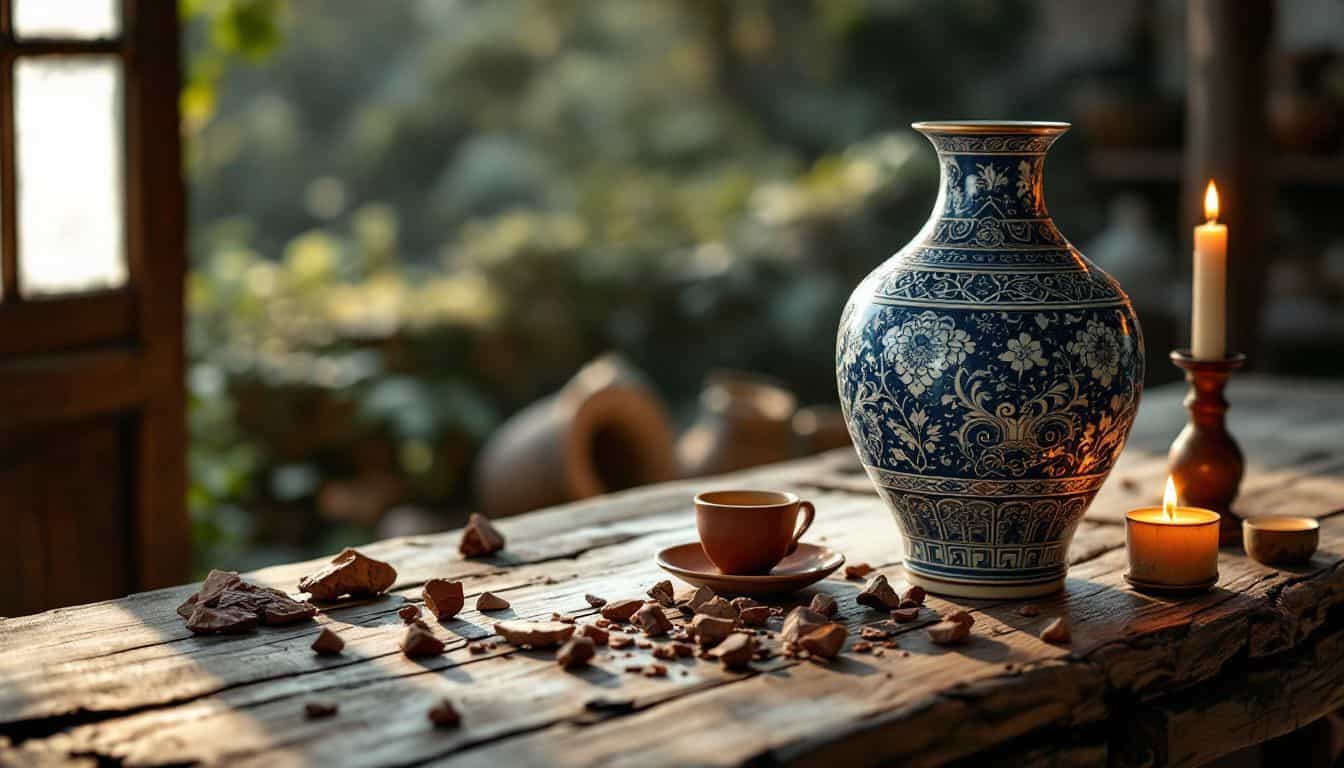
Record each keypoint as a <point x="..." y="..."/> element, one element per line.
<point x="412" y="219"/>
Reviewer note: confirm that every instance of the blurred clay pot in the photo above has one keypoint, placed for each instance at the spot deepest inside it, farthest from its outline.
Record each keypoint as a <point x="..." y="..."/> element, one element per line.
<point x="603" y="431"/>
<point x="745" y="420"/>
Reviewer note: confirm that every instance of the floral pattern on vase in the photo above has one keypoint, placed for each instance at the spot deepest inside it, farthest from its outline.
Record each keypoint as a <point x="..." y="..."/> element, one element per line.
<point x="989" y="373"/>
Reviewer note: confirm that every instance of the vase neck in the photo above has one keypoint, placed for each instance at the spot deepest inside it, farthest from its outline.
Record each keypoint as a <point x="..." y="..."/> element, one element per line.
<point x="991" y="170"/>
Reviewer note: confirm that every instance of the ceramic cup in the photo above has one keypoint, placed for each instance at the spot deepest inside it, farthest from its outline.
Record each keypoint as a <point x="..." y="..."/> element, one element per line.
<point x="749" y="532"/>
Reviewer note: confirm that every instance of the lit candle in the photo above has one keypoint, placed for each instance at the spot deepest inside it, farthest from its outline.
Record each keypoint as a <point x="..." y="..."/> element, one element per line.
<point x="1208" y="337"/>
<point x="1172" y="547"/>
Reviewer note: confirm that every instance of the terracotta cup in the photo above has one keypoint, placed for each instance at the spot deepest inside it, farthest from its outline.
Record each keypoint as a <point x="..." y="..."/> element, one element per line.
<point x="749" y="532"/>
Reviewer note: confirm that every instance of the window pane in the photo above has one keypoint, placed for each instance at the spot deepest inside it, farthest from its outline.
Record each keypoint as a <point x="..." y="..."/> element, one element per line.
<point x="83" y="19"/>
<point x="68" y="166"/>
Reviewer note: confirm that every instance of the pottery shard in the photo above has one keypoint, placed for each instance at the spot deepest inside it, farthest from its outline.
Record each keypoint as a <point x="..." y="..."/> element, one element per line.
<point x="620" y="641"/>
<point x="755" y="616"/>
<point x="595" y="601"/>
<point x="621" y="610"/>
<point x="576" y="652"/>
<point x="349" y="573"/>
<point x="537" y="634"/>
<point x="824" y="604"/>
<point x="858" y="571"/>
<point x="444" y="715"/>
<point x="227" y="604"/>
<point x="825" y="641"/>
<point x="328" y="642"/>
<point x="480" y="537"/>
<point x="914" y="594"/>
<point x="905" y="614"/>
<point x="661" y="593"/>
<point x="443" y="598"/>
<point x="961" y="617"/>
<point x="742" y="603"/>
<point x="420" y="641"/>
<point x="710" y="630"/>
<point x="596" y="634"/>
<point x="1058" y="632"/>
<point x="489" y="601"/>
<point x="718" y="608"/>
<point x="409" y="613"/>
<point x="949" y="633"/>
<point x="735" y="651"/>
<point x="699" y="597"/>
<point x="651" y="619"/>
<point x="878" y="595"/>
<point x="800" y="622"/>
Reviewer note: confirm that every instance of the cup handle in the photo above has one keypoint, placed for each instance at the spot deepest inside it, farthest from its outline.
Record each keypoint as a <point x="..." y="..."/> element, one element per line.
<point x="809" y="512"/>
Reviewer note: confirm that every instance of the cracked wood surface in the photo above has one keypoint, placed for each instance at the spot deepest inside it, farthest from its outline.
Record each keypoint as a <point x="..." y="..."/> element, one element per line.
<point x="123" y="680"/>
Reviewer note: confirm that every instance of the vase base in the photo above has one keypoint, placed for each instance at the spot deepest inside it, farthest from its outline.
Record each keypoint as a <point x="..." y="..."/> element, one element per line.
<point x="983" y="590"/>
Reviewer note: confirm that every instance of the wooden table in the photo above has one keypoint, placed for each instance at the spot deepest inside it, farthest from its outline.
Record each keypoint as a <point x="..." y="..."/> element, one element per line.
<point x="1145" y="681"/>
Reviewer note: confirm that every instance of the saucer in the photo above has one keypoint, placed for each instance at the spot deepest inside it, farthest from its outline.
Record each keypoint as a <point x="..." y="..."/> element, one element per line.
<point x="808" y="564"/>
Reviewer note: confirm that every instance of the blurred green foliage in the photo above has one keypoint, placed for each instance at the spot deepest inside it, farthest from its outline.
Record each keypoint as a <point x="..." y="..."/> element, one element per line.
<point x="409" y="219"/>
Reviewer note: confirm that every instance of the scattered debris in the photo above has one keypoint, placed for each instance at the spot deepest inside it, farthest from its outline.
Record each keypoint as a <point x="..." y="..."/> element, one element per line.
<point x="949" y="633"/>
<point x="621" y="610"/>
<point x="655" y="670"/>
<point x="913" y="597"/>
<point x="858" y="571"/>
<point x="444" y="715"/>
<point x="619" y="641"/>
<point x="562" y="618"/>
<point x="682" y="650"/>
<point x="328" y="643"/>
<point x="961" y="617"/>
<point x="419" y="641"/>
<point x="825" y="641"/>
<point x="350" y="573"/>
<point x="718" y="608"/>
<point x="596" y="634"/>
<point x="576" y="652"/>
<point x="409" y="612"/>
<point x="699" y="597"/>
<point x="862" y="646"/>
<point x="661" y="593"/>
<point x="824" y="604"/>
<point x="709" y="630"/>
<point x="227" y="604"/>
<point x="742" y="603"/>
<point x="754" y="616"/>
<point x="878" y="595"/>
<point x="315" y="710"/>
<point x="651" y="619"/>
<point x="873" y="633"/>
<point x="536" y="634"/>
<point x="1058" y="632"/>
<point x="595" y="601"/>
<point x="1029" y="610"/>
<point x="735" y="651"/>
<point x="443" y="598"/>
<point x="489" y="601"/>
<point x="480" y="537"/>
<point x="665" y="652"/>
<point x="799" y="622"/>
<point x="905" y="614"/>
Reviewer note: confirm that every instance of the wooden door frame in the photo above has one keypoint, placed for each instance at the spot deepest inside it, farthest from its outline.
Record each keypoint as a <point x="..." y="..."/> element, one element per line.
<point x="115" y="351"/>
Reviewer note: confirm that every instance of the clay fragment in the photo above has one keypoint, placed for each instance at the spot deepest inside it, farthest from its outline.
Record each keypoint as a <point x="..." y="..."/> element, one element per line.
<point x="652" y="620"/>
<point x="328" y="642"/>
<point x="576" y="652"/>
<point x="409" y="612"/>
<point x="858" y="571"/>
<point x="480" y="537"/>
<point x="314" y="710"/>
<point x="476" y="649"/>
<point x="188" y="606"/>
<point x="873" y="633"/>
<point x="444" y="715"/>
<point x="904" y="614"/>
<point x="825" y="641"/>
<point x="915" y="594"/>
<point x="699" y="597"/>
<point x="961" y="617"/>
<point x="596" y="634"/>
<point x="537" y="634"/>
<point x="742" y="603"/>
<point x="718" y="608"/>
<point x="861" y="646"/>
<point x="1029" y="611"/>
<point x="489" y="601"/>
<point x="878" y="595"/>
<point x="799" y="622"/>
<point x="709" y="630"/>
<point x="621" y="610"/>
<point x="755" y="616"/>
<point x="655" y="670"/>
<point x="682" y="650"/>
<point x="661" y="593"/>
<point x="735" y="651"/>
<point x="949" y="633"/>
<point x="595" y="601"/>
<point x="562" y="618"/>
<point x="227" y="604"/>
<point x="207" y="620"/>
<point x="665" y="652"/>
<point x="419" y="641"/>
<point x="824" y="604"/>
<point x="349" y="573"/>
<point x="443" y="598"/>
<point x="620" y="641"/>
<point x="1058" y="632"/>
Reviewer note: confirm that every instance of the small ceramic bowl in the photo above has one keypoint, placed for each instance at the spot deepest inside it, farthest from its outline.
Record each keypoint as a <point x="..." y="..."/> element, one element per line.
<point x="1280" y="540"/>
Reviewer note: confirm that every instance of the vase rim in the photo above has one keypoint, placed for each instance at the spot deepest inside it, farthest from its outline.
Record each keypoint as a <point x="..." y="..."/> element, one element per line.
<point x="1041" y="127"/>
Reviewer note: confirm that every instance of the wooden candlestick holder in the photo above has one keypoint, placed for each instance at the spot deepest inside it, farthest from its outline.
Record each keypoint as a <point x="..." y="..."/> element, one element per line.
<point x="1205" y="460"/>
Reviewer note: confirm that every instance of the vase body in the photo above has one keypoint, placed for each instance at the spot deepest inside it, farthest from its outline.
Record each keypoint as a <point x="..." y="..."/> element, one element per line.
<point x="989" y="373"/>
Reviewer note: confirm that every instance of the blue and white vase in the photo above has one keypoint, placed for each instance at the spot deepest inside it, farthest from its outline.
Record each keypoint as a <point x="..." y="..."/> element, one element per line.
<point x="989" y="373"/>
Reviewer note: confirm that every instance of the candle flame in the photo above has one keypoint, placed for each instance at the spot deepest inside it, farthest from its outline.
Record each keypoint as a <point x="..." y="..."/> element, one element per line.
<point x="1211" y="202"/>
<point x="1169" y="499"/>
